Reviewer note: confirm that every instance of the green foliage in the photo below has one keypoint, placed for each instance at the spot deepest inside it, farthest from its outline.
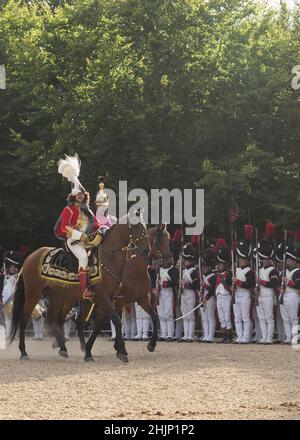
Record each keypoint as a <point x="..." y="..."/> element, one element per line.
<point x="162" y="93"/>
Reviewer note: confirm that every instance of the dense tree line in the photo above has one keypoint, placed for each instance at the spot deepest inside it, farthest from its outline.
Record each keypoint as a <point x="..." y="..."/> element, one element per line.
<point x="161" y="93"/>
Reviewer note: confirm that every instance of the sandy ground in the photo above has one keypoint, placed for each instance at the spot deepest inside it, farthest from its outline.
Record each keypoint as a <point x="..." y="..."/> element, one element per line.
<point x="177" y="381"/>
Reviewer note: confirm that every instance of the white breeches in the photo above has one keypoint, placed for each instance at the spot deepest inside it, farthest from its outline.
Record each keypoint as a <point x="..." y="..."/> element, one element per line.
<point x="165" y="313"/>
<point x="208" y="317"/>
<point x="280" y="325"/>
<point x="80" y="253"/>
<point x="188" y="302"/>
<point x="129" y="323"/>
<point x="242" y="321"/>
<point x="224" y="310"/>
<point x="38" y="328"/>
<point x="289" y="313"/>
<point x="266" y="317"/>
<point x="143" y="320"/>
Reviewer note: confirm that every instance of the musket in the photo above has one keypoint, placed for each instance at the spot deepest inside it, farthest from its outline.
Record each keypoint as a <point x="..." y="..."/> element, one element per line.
<point x="283" y="285"/>
<point x="158" y="285"/>
<point x="256" y="269"/>
<point x="200" y="244"/>
<point x="180" y="287"/>
<point x="232" y="262"/>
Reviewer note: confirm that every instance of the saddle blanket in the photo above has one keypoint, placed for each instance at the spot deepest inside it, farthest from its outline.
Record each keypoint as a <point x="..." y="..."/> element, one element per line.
<point x="60" y="267"/>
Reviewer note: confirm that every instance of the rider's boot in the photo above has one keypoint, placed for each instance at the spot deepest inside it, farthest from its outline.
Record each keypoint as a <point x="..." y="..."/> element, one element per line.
<point x="83" y="279"/>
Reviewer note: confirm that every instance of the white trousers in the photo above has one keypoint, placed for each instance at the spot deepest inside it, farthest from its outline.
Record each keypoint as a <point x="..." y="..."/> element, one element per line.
<point x="7" y="325"/>
<point x="143" y="320"/>
<point x="280" y="325"/>
<point x="129" y="323"/>
<point x="178" y="324"/>
<point x="188" y="302"/>
<point x="67" y="328"/>
<point x="224" y="310"/>
<point x="241" y="310"/>
<point x="165" y="313"/>
<point x="266" y="317"/>
<point x="208" y="317"/>
<point x="289" y="312"/>
<point x="80" y="253"/>
<point x="258" y="334"/>
<point x="38" y="328"/>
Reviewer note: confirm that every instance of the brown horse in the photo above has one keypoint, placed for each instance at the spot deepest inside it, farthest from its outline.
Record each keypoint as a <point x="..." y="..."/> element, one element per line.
<point x="122" y="242"/>
<point x="134" y="288"/>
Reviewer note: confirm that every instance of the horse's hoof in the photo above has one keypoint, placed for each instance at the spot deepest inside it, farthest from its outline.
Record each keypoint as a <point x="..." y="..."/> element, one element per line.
<point x="24" y="357"/>
<point x="122" y="357"/>
<point x="150" y="347"/>
<point x="55" y="345"/>
<point x="63" y="353"/>
<point x="89" y="359"/>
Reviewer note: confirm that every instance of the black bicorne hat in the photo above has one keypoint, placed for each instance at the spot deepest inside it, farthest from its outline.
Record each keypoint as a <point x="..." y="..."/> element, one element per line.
<point x="12" y="257"/>
<point x="244" y="249"/>
<point x="265" y="249"/>
<point x="293" y="253"/>
<point x="209" y="258"/>
<point x="188" y="251"/>
<point x="223" y="255"/>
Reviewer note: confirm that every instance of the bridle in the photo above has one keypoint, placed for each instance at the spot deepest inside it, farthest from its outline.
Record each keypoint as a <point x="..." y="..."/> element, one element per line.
<point x="131" y="250"/>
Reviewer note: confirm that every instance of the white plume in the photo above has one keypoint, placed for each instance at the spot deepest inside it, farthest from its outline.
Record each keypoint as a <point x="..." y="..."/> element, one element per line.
<point x="70" y="169"/>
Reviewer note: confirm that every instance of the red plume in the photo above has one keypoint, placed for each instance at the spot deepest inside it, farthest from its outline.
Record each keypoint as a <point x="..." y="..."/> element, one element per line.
<point x="248" y="232"/>
<point x="219" y="243"/>
<point x="177" y="235"/>
<point x="270" y="230"/>
<point x="195" y="240"/>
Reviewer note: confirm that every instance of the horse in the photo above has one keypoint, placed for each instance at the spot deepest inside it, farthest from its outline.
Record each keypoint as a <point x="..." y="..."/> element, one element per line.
<point x="119" y="244"/>
<point x="133" y="288"/>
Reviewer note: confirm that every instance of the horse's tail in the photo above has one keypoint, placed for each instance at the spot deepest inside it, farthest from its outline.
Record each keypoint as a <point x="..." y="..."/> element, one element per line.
<point x="18" y="306"/>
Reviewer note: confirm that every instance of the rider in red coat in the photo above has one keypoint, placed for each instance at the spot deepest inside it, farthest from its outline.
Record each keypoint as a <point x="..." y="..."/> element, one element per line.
<point x="74" y="223"/>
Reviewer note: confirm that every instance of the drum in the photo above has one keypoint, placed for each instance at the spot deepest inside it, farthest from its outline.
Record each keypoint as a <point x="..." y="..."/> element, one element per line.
<point x="38" y="312"/>
<point x="8" y="308"/>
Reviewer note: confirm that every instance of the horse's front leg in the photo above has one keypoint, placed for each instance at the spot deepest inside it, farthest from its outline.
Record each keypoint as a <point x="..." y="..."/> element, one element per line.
<point x="119" y="344"/>
<point x="144" y="303"/>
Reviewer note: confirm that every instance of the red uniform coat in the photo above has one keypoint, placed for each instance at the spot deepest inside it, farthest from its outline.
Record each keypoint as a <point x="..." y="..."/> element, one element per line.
<point x="69" y="217"/>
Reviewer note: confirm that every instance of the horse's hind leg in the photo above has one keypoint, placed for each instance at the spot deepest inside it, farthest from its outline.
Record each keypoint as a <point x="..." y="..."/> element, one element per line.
<point x="144" y="302"/>
<point x="55" y="318"/>
<point x="119" y="344"/>
<point x="88" y="346"/>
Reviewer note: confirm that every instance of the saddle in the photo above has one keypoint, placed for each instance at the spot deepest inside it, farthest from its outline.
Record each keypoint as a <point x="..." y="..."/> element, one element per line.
<point x="60" y="267"/>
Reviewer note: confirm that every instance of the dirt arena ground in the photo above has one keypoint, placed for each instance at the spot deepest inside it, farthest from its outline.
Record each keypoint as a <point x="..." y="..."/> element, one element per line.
<point x="177" y="381"/>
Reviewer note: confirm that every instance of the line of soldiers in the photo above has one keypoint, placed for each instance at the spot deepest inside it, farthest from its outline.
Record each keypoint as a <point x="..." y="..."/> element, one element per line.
<point x="257" y="301"/>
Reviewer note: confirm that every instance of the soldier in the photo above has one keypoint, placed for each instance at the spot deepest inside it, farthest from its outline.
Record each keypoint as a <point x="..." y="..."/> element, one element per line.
<point x="208" y="308"/>
<point x="102" y="203"/>
<point x="279" y="257"/>
<point x="190" y="285"/>
<point x="169" y="279"/>
<point x="290" y="300"/>
<point x="224" y="292"/>
<point x="12" y="263"/>
<point x="244" y="284"/>
<point x="268" y="281"/>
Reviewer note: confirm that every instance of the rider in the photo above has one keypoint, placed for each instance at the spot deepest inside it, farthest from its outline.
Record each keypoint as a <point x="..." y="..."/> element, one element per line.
<point x="102" y="203"/>
<point x="75" y="223"/>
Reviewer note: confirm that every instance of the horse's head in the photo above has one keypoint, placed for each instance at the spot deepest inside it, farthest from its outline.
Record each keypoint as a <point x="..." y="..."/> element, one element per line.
<point x="159" y="241"/>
